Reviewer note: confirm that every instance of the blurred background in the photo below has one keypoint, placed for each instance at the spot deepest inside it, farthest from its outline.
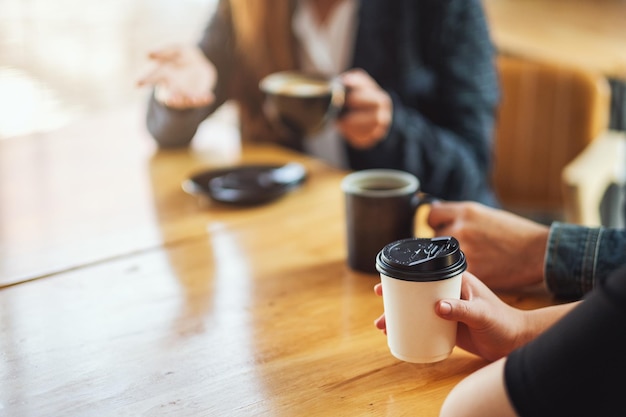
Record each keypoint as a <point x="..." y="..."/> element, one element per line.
<point x="64" y="61"/>
<point x="61" y="60"/>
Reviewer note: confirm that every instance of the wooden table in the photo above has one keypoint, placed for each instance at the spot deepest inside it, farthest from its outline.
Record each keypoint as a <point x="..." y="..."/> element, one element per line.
<point x="586" y="33"/>
<point x="123" y="296"/>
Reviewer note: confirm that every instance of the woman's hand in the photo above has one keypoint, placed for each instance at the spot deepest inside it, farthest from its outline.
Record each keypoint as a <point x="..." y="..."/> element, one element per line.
<point x="505" y="250"/>
<point x="488" y="327"/>
<point x="367" y="110"/>
<point x="183" y="77"/>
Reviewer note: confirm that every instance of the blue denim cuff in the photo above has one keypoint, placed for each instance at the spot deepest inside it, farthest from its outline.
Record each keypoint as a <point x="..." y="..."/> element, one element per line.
<point x="571" y="258"/>
<point x="578" y="258"/>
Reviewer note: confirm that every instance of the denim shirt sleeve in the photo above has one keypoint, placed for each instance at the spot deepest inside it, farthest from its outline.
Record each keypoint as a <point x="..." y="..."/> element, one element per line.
<point x="579" y="257"/>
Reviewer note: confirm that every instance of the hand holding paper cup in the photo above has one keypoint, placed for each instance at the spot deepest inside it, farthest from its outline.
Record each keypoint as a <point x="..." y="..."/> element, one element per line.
<point x="415" y="274"/>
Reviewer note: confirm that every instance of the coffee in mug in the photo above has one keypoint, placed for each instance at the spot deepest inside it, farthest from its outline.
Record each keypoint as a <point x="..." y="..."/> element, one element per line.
<point x="301" y="103"/>
<point x="380" y="207"/>
<point x="415" y="274"/>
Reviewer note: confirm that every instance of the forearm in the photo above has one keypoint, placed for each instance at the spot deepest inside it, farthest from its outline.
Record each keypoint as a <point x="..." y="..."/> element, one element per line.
<point x="530" y="270"/>
<point x="537" y="321"/>
<point x="173" y="128"/>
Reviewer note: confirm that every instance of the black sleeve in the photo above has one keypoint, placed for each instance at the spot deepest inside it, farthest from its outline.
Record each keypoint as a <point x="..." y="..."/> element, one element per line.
<point x="577" y="367"/>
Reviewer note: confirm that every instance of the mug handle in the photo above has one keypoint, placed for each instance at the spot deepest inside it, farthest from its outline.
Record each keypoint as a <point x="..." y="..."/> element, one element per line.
<point x="338" y="97"/>
<point x="419" y="199"/>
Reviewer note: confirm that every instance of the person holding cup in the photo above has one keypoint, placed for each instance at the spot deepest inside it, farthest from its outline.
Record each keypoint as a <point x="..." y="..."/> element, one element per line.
<point x="420" y="83"/>
<point x="562" y="360"/>
<point x="559" y="360"/>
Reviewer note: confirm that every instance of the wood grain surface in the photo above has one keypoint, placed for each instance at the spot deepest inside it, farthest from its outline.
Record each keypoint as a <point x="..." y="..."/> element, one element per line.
<point x="124" y="296"/>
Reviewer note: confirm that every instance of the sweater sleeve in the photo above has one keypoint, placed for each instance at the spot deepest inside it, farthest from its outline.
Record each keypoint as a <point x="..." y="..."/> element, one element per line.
<point x="445" y="93"/>
<point x="176" y="128"/>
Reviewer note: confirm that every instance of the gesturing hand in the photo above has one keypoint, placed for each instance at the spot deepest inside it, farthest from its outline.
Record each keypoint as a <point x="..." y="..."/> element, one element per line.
<point x="183" y="77"/>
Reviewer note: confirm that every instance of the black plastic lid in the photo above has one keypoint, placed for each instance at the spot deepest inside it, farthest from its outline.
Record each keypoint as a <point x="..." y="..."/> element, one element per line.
<point x="417" y="259"/>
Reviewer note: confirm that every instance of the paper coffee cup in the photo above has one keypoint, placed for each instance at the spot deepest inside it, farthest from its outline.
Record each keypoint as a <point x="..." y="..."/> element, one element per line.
<point x="415" y="274"/>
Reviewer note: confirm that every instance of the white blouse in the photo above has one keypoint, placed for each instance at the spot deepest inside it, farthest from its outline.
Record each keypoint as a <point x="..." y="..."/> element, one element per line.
<point x="326" y="49"/>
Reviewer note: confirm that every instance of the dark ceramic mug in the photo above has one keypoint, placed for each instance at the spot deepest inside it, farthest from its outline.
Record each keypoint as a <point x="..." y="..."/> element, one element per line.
<point x="301" y="103"/>
<point x="380" y="207"/>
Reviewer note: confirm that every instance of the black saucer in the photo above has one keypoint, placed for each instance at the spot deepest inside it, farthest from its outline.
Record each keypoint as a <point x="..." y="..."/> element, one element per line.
<point x="246" y="184"/>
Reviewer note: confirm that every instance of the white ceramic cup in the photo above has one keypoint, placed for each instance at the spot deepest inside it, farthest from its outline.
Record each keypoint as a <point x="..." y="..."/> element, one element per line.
<point x="415" y="274"/>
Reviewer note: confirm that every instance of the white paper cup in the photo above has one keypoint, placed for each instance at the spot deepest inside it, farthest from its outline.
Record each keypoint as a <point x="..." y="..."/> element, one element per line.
<point x="415" y="274"/>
